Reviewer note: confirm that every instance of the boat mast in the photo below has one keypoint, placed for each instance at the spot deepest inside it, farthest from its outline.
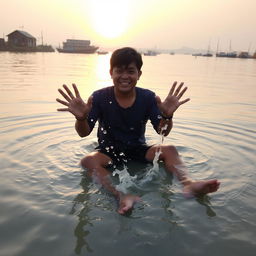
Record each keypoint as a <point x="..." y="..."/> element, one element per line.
<point x="230" y="48"/>
<point x="249" y="48"/>
<point x="217" y="50"/>
<point x="42" y="38"/>
<point x="209" y="46"/>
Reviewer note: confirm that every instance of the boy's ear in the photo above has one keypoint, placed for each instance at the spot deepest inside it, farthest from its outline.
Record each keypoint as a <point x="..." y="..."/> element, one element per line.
<point x="140" y="73"/>
<point x="111" y="72"/>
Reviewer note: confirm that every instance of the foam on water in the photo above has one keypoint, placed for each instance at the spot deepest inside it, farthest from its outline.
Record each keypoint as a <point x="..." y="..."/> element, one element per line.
<point x="126" y="180"/>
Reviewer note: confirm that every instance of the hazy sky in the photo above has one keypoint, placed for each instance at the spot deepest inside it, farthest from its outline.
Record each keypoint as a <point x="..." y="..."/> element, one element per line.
<point x="166" y="24"/>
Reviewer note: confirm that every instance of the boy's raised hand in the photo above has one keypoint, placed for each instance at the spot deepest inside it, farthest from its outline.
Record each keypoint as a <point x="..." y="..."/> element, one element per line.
<point x="172" y="101"/>
<point x="75" y="104"/>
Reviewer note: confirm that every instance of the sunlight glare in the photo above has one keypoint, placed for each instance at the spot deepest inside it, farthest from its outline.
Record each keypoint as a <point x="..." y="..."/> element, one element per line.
<point x="109" y="18"/>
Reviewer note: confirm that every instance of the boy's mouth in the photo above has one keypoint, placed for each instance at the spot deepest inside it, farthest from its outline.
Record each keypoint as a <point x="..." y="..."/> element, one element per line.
<point x="124" y="83"/>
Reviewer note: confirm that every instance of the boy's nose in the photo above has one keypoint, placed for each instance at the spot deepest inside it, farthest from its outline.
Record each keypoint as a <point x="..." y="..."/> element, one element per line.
<point x="124" y="75"/>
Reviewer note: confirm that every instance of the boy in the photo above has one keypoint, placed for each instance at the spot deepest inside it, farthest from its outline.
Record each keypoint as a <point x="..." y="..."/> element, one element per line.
<point x="122" y="111"/>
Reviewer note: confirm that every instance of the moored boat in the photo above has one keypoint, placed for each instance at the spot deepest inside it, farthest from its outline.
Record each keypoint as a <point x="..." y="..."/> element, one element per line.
<point x="150" y="53"/>
<point x="102" y="52"/>
<point x="77" y="46"/>
<point x="244" y="55"/>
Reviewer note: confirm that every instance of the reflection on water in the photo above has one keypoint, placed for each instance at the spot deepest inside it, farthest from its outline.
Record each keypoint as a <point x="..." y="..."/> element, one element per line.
<point x="49" y="207"/>
<point x="81" y="208"/>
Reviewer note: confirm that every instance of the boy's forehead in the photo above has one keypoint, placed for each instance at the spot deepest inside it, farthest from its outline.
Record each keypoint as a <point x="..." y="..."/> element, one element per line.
<point x="127" y="66"/>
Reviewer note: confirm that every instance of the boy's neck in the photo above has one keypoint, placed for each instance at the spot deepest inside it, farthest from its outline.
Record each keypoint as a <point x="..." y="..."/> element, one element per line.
<point x="125" y="100"/>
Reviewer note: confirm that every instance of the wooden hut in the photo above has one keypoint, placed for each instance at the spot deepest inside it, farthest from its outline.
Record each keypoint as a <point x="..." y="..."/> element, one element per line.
<point x="2" y="44"/>
<point x="20" y="38"/>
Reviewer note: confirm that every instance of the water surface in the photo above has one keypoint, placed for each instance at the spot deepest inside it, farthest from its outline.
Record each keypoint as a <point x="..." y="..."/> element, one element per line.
<point x="49" y="207"/>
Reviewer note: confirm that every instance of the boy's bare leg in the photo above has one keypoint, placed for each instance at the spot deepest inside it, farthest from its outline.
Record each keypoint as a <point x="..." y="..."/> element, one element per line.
<point x="174" y="164"/>
<point x="95" y="164"/>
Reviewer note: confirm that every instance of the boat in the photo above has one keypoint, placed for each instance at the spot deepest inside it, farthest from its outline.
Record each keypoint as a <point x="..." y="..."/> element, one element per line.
<point x="221" y="54"/>
<point x="150" y="53"/>
<point x="77" y="46"/>
<point x="231" y="54"/>
<point x="102" y="52"/>
<point x="197" y="54"/>
<point x="208" y="54"/>
<point x="244" y="55"/>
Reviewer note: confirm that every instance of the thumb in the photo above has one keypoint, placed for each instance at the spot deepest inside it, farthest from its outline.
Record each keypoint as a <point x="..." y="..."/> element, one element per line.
<point x="158" y="100"/>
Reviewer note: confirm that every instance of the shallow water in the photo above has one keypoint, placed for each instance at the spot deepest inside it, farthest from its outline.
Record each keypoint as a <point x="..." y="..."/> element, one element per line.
<point x="49" y="207"/>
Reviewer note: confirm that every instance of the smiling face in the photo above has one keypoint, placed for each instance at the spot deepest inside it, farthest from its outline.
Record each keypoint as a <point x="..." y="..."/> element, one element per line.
<point x="125" y="78"/>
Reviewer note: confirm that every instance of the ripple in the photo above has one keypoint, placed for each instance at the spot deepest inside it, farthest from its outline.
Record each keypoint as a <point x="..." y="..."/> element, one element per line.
<point x="43" y="153"/>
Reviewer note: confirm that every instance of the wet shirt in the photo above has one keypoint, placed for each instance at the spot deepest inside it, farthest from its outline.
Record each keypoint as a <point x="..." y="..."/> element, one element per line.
<point x="122" y="126"/>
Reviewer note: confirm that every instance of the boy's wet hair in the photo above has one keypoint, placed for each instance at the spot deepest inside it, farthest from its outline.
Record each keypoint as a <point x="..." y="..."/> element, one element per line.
<point x="124" y="57"/>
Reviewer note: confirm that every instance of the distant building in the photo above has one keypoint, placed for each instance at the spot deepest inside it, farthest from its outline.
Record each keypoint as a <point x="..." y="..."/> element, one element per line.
<point x="20" y="38"/>
<point x="2" y="44"/>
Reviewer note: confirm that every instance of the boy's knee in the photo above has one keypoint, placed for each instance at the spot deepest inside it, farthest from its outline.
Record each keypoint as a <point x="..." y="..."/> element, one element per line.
<point x="87" y="161"/>
<point x="171" y="150"/>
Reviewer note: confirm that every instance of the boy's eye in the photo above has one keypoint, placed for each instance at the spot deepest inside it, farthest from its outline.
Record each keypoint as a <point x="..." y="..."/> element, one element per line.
<point x="129" y="71"/>
<point x="118" y="71"/>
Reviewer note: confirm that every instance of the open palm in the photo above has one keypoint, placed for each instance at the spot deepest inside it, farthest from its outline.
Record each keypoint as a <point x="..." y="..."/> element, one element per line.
<point x="75" y="104"/>
<point x="172" y="101"/>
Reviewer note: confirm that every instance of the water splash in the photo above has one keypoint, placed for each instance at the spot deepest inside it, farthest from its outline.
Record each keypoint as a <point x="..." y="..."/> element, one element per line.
<point x="126" y="180"/>
<point x="153" y="173"/>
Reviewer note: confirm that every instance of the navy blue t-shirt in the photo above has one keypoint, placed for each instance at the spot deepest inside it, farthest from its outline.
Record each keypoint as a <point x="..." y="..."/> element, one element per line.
<point x="123" y="126"/>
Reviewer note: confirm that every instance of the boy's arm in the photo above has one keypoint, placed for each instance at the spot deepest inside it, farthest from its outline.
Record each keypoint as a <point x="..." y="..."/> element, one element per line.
<point x="82" y="128"/>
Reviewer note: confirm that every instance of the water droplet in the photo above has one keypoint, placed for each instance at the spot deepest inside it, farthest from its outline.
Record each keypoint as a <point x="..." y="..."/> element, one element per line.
<point x="111" y="147"/>
<point x="131" y="128"/>
<point x="105" y="132"/>
<point x="159" y="117"/>
<point x="107" y="148"/>
<point x="101" y="129"/>
<point x="110" y="102"/>
<point x="91" y="120"/>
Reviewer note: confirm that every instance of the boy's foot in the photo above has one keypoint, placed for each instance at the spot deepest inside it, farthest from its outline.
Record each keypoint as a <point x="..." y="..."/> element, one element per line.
<point x="126" y="203"/>
<point x="196" y="188"/>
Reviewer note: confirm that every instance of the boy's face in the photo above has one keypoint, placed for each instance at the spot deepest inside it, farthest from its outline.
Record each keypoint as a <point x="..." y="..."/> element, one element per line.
<point x="125" y="77"/>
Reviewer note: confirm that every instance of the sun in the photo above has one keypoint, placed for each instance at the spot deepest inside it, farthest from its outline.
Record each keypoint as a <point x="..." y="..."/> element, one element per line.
<point x="109" y="18"/>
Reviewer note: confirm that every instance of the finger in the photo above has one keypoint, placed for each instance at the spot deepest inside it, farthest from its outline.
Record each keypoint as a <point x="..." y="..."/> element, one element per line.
<point x="173" y="88"/>
<point x="64" y="95"/>
<point x="62" y="102"/>
<point x="178" y="89"/>
<point x="182" y="92"/>
<point x="76" y="91"/>
<point x="89" y="101"/>
<point x="62" y="109"/>
<point x="68" y="91"/>
<point x="184" y="101"/>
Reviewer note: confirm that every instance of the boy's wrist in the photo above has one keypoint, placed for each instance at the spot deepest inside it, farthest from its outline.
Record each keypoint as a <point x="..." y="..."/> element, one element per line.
<point x="166" y="118"/>
<point x="81" y="119"/>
